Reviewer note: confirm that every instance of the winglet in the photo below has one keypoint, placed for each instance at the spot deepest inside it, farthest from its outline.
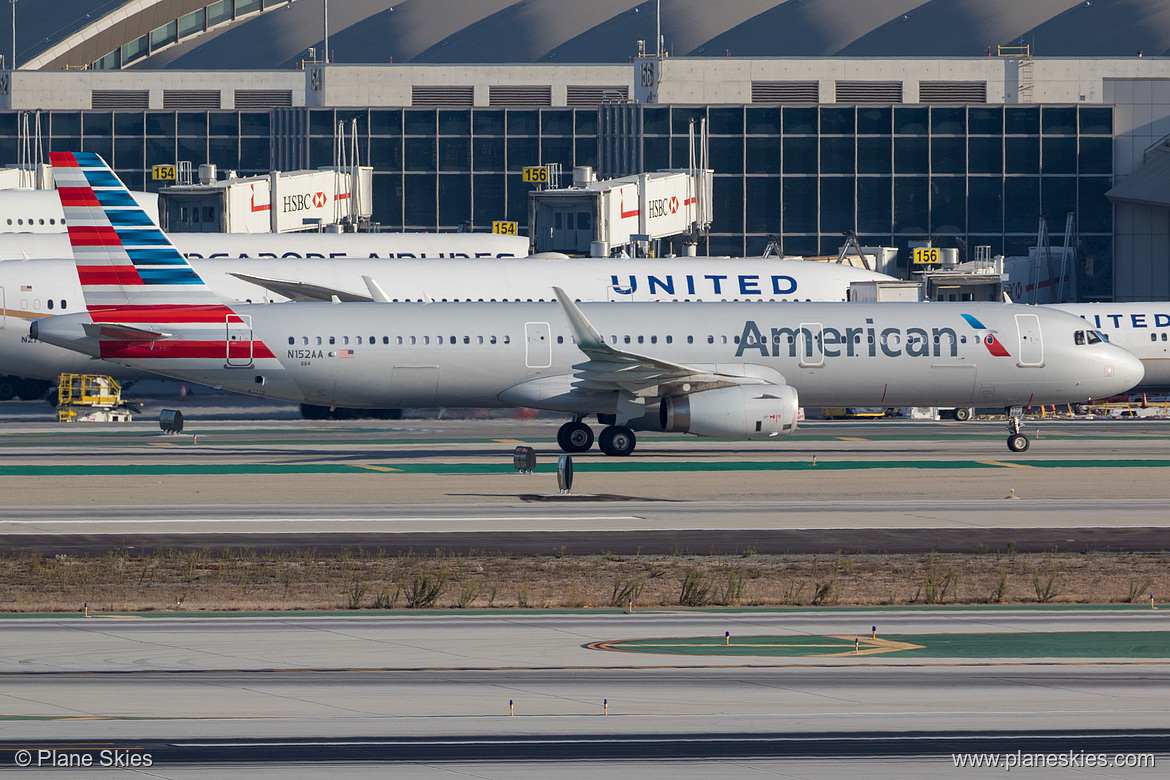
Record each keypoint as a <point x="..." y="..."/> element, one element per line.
<point x="376" y="291"/>
<point x="583" y="331"/>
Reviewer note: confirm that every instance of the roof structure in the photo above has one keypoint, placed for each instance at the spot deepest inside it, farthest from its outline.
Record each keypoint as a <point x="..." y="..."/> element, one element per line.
<point x="599" y="31"/>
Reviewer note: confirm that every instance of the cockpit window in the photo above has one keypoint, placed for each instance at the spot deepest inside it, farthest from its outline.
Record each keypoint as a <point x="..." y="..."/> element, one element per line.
<point x="1095" y="337"/>
<point x="1079" y="337"/>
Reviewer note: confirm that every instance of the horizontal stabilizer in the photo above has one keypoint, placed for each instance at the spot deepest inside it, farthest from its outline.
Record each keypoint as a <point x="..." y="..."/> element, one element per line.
<point x="303" y="291"/>
<point x="109" y="331"/>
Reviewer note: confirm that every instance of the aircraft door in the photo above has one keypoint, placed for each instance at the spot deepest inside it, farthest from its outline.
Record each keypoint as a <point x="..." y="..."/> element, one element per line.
<point x="537" y="345"/>
<point x="810" y="345"/>
<point x="1031" y="345"/>
<point x="239" y="341"/>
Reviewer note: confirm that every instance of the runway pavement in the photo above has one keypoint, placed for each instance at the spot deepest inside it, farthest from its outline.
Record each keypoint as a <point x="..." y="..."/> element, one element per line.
<point x="509" y="687"/>
<point x="281" y="483"/>
<point x="345" y="694"/>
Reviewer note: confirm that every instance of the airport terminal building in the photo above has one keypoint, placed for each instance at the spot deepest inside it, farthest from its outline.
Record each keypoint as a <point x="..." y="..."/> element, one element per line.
<point x="964" y="151"/>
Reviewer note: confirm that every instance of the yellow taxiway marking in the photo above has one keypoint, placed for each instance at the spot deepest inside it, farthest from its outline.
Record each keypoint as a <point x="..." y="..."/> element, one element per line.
<point x="162" y="444"/>
<point x="852" y="438"/>
<point x="508" y="441"/>
<point x="871" y="646"/>
<point x="1004" y="463"/>
<point x="375" y="468"/>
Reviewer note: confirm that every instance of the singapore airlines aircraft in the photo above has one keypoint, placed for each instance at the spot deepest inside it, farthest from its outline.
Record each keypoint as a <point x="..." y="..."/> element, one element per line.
<point x="734" y="370"/>
<point x="1141" y="328"/>
<point x="291" y="245"/>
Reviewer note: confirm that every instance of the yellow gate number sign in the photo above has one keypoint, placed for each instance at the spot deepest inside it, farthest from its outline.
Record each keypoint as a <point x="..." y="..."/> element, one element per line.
<point x="926" y="255"/>
<point x="504" y="228"/>
<point x="163" y="173"/>
<point x="536" y="175"/>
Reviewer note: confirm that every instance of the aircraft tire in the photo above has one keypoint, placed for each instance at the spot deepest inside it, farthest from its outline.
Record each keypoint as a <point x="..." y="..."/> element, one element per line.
<point x="962" y="414"/>
<point x="7" y="388"/>
<point x="1018" y="442"/>
<point x="32" y="389"/>
<point x="575" y="437"/>
<point x="617" y="440"/>
<point x="314" y="412"/>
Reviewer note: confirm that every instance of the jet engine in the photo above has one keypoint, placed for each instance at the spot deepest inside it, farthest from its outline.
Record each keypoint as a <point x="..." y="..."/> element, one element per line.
<point x="740" y="412"/>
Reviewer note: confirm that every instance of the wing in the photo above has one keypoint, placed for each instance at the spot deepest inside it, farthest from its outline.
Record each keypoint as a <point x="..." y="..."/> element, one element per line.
<point x="610" y="369"/>
<point x="303" y="291"/>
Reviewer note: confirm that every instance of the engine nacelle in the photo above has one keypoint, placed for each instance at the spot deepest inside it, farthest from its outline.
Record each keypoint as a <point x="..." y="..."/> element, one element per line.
<point x="741" y="412"/>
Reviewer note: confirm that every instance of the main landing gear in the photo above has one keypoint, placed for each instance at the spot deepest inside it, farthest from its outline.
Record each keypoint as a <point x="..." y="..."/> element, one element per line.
<point x="1016" y="441"/>
<point x="576" y="436"/>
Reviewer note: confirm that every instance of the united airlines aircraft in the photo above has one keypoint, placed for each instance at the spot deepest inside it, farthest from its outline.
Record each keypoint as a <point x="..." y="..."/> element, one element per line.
<point x="733" y="370"/>
<point x="1141" y="328"/>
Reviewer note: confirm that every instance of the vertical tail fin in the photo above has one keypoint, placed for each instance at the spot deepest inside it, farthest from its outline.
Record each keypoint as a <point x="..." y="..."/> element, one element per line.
<point x="123" y="258"/>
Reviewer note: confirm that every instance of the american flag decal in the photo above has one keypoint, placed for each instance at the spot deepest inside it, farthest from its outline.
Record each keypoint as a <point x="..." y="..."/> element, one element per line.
<point x="26" y="288"/>
<point x="346" y="353"/>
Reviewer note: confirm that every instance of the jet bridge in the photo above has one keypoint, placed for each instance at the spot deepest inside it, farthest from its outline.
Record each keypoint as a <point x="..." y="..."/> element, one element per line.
<point x="597" y="218"/>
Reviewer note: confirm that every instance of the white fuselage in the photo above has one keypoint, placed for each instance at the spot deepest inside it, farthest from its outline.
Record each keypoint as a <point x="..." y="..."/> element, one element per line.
<point x="522" y="354"/>
<point x="39" y="219"/>
<point x="295" y="245"/>
<point x="38" y="288"/>
<point x="1141" y="328"/>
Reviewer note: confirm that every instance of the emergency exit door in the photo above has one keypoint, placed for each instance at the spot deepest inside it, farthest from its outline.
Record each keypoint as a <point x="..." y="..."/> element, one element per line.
<point x="239" y="341"/>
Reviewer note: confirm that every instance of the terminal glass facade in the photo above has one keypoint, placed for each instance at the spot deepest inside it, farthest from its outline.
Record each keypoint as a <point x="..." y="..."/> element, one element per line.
<point x="961" y="175"/>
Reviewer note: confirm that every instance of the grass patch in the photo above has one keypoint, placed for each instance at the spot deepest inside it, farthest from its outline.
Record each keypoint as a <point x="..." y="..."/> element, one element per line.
<point x="358" y="579"/>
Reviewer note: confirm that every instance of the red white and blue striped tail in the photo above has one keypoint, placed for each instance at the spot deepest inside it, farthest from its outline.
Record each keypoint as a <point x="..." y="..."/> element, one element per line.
<point x="123" y="258"/>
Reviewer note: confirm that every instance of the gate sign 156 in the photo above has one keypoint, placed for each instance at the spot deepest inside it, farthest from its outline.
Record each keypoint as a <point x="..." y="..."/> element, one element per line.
<point x="536" y="175"/>
<point x="927" y="255"/>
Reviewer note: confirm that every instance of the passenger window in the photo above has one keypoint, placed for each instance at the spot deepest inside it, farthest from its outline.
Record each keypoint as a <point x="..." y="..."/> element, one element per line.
<point x="413" y="340"/>
<point x="491" y="339"/>
<point x="560" y="339"/>
<point x="640" y="339"/>
<point x="467" y="339"/>
<point x="63" y="306"/>
<point x="690" y="339"/>
<point x="627" y="339"/>
<point x="654" y="339"/>
<point x="49" y="303"/>
<point x="479" y="339"/>
<point x="507" y="339"/>
<point x="292" y="340"/>
<point x="386" y="339"/>
<point x="1153" y="336"/>
<point x="710" y="339"/>
<point x="345" y="339"/>
<point x="332" y="339"/>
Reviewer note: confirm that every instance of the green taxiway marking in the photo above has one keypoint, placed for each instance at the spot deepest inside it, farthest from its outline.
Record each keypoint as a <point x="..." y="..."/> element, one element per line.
<point x="1070" y="644"/>
<point x="581" y="465"/>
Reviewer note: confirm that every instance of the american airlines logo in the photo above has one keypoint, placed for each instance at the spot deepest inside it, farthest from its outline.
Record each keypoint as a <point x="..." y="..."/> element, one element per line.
<point x="303" y="202"/>
<point x="857" y="341"/>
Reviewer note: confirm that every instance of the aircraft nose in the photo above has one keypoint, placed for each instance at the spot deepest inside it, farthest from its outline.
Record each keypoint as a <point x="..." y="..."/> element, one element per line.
<point x="1127" y="369"/>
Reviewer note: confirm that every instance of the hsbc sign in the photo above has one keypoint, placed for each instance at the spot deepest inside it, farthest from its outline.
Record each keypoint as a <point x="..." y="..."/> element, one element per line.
<point x="662" y="207"/>
<point x="304" y="202"/>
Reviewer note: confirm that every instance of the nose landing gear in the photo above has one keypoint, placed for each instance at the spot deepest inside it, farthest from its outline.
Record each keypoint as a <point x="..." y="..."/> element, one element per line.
<point x="1016" y="441"/>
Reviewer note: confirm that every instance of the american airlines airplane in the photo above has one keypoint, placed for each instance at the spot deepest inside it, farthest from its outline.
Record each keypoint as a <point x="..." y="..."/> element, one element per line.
<point x="1141" y="328"/>
<point x="731" y="370"/>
